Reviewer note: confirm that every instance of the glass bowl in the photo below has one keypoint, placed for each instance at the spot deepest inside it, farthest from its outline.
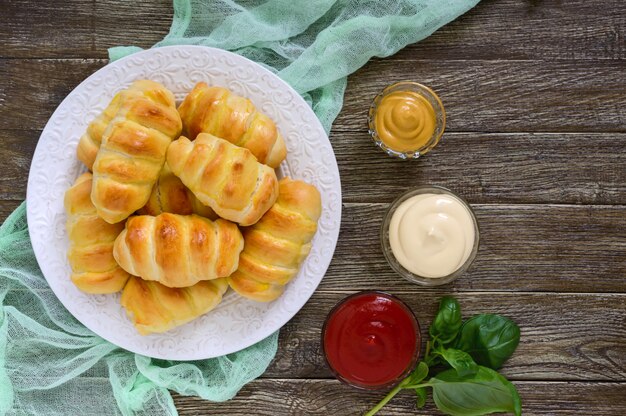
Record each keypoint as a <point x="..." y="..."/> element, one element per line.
<point x="415" y="328"/>
<point x="399" y="268"/>
<point x="431" y="97"/>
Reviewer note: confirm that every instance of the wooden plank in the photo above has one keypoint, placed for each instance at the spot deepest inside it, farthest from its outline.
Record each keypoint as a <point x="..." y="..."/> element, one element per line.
<point x="565" y="337"/>
<point x="547" y="29"/>
<point x="6" y="208"/>
<point x="505" y="29"/>
<point x="504" y="168"/>
<point x="30" y="90"/>
<point x="330" y="397"/>
<point x="491" y="168"/>
<point x="502" y="96"/>
<point x="481" y="96"/>
<point x="523" y="247"/>
<point x="42" y="29"/>
<point x="572" y="336"/>
<point x="15" y="157"/>
<point x="138" y="23"/>
<point x="536" y="254"/>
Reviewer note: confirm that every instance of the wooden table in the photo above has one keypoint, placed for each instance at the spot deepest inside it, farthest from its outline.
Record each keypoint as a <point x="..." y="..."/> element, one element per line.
<point x="535" y="93"/>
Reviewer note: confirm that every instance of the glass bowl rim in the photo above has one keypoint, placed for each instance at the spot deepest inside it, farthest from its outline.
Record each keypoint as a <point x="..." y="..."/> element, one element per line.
<point x="395" y="264"/>
<point x="439" y="128"/>
<point x="418" y="344"/>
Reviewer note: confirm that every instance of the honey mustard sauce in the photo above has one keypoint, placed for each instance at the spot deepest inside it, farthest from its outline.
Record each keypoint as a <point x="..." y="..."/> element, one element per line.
<point x="405" y="121"/>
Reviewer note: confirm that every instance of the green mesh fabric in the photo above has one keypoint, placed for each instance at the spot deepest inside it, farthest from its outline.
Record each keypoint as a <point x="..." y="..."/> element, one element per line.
<point x="51" y="364"/>
<point x="314" y="44"/>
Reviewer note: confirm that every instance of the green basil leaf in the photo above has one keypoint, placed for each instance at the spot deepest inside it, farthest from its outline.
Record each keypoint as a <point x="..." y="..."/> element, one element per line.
<point x="479" y="394"/>
<point x="461" y="361"/>
<point x="419" y="374"/>
<point x="447" y="323"/>
<point x="489" y="339"/>
<point x="421" y="397"/>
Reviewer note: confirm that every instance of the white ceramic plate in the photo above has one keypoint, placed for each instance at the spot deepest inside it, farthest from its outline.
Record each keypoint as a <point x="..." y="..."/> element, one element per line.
<point x="236" y="323"/>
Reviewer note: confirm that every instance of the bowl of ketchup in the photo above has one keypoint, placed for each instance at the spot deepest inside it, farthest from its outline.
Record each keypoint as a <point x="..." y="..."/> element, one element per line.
<point x="371" y="340"/>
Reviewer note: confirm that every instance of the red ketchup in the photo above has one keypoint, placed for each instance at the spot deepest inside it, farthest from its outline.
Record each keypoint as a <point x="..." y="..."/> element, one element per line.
<point x="371" y="340"/>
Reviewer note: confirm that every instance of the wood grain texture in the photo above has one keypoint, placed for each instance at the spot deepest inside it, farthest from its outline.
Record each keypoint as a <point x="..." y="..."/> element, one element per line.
<point x="483" y="168"/>
<point x="492" y="168"/>
<point x="535" y="96"/>
<point x="502" y="96"/>
<point x="15" y="158"/>
<point x="563" y="336"/>
<point x="529" y="29"/>
<point x="479" y="96"/>
<point x="329" y="397"/>
<point x="7" y="207"/>
<point x="31" y="89"/>
<point x="504" y="29"/>
<point x="522" y="247"/>
<point x="42" y="29"/>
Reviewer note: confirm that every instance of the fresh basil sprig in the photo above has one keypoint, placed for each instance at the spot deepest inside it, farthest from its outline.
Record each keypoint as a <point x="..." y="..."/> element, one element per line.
<point x="410" y="383"/>
<point x="461" y="361"/>
<point x="482" y="393"/>
<point x="489" y="339"/>
<point x="474" y="349"/>
<point x="447" y="322"/>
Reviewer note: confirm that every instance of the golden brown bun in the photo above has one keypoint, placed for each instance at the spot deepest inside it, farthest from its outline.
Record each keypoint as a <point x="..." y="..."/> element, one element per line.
<point x="225" y="177"/>
<point x="90" y="254"/>
<point x="153" y="307"/>
<point x="218" y="111"/>
<point x="131" y="156"/>
<point x="90" y="141"/>
<point x="178" y="250"/>
<point x="169" y="194"/>
<point x="275" y="246"/>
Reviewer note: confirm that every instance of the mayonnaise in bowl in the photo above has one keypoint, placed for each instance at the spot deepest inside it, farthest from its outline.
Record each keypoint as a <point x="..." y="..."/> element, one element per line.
<point x="430" y="235"/>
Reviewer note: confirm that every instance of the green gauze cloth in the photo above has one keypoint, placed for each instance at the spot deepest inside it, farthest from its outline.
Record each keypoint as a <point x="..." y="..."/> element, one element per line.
<point x="311" y="44"/>
<point x="49" y="363"/>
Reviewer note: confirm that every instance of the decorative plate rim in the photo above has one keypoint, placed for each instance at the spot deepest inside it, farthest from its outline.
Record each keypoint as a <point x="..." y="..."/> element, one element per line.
<point x="299" y="126"/>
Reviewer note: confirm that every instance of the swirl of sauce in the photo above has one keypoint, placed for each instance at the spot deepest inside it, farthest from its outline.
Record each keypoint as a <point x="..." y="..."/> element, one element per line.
<point x="431" y="235"/>
<point x="371" y="339"/>
<point x="405" y="121"/>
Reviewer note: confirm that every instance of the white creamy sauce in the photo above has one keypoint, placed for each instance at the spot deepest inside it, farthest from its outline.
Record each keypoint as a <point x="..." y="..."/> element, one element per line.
<point x="431" y="235"/>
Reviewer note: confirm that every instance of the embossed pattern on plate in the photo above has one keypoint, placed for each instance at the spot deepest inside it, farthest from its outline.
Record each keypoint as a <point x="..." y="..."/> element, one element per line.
<point x="237" y="322"/>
